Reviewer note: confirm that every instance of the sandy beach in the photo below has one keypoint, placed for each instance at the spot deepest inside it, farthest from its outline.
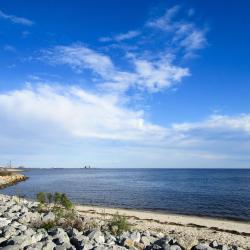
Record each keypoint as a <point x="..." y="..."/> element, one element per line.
<point x="187" y="229"/>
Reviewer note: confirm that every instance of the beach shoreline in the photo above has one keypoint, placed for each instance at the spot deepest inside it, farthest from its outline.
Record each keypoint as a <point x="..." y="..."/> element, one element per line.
<point x="186" y="228"/>
<point x="171" y="218"/>
<point x="162" y="212"/>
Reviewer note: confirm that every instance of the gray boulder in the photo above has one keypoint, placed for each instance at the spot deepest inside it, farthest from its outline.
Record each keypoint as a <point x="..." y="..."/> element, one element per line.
<point x="29" y="217"/>
<point x="124" y="235"/>
<point x="135" y="236"/>
<point x="8" y="231"/>
<point x="21" y="241"/>
<point x="11" y="247"/>
<point x="214" y="244"/>
<point x="9" y="215"/>
<point x="2" y="239"/>
<point x="3" y="209"/>
<point x="4" y="222"/>
<point x="48" y="245"/>
<point x="48" y="217"/>
<point x="15" y="208"/>
<point x="42" y="232"/>
<point x="29" y="232"/>
<point x="37" y="236"/>
<point x="15" y="224"/>
<point x="117" y="247"/>
<point x="87" y="246"/>
<point x="22" y="227"/>
<point x="79" y="241"/>
<point x="36" y="246"/>
<point x="202" y="246"/>
<point x="172" y="247"/>
<point x="59" y="236"/>
<point x="101" y="247"/>
<point x="147" y="240"/>
<point x="155" y="247"/>
<point x="146" y="233"/>
<point x="157" y="234"/>
<point x="24" y="209"/>
<point x="72" y="232"/>
<point x="65" y="246"/>
<point x="97" y="236"/>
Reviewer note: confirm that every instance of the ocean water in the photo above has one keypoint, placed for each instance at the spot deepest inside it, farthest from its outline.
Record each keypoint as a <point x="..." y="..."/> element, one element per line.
<point x="223" y="193"/>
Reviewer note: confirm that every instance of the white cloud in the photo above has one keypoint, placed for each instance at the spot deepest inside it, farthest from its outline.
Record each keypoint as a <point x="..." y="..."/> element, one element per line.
<point x="159" y="74"/>
<point x="152" y="64"/>
<point x="16" y="19"/>
<point x="152" y="75"/>
<point x="64" y="124"/>
<point x="190" y="38"/>
<point x="218" y="123"/>
<point x="9" y="48"/>
<point x="165" y="22"/>
<point x="74" y="112"/>
<point x="79" y="58"/>
<point x="105" y="39"/>
<point x="121" y="37"/>
<point x="186" y="34"/>
<point x="126" y="36"/>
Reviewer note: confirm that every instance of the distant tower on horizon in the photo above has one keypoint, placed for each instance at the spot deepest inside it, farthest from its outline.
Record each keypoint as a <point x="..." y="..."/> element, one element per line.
<point x="87" y="166"/>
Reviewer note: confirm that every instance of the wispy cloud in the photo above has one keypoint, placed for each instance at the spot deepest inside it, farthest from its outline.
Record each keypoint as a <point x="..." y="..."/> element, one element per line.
<point x="185" y="33"/>
<point x="9" y="48"/>
<point x="121" y="37"/>
<point x="79" y="57"/>
<point x="152" y="75"/>
<point x="16" y="19"/>
<point x="220" y="126"/>
<point x="126" y="36"/>
<point x="165" y="22"/>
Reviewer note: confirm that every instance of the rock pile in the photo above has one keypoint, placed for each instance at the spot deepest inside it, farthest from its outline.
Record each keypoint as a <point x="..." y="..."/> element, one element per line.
<point x="11" y="179"/>
<point x="18" y="230"/>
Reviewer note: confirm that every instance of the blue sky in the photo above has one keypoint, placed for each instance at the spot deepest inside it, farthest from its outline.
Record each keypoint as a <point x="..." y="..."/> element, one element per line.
<point x="125" y="83"/>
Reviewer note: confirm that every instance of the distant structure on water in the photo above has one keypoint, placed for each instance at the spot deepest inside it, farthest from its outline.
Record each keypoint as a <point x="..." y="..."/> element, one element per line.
<point x="86" y="167"/>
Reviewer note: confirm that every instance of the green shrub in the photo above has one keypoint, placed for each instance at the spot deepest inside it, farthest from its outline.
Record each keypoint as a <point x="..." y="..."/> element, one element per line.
<point x="49" y="197"/>
<point x="57" y="197"/>
<point x="41" y="197"/>
<point x="66" y="202"/>
<point x="61" y="206"/>
<point x="47" y="225"/>
<point x="119" y="224"/>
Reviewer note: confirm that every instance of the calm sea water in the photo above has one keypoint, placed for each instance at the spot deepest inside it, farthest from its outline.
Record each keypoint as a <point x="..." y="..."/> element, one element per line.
<point x="217" y="193"/>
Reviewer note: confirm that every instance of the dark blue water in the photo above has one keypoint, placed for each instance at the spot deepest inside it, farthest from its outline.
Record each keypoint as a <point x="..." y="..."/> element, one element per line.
<point x="217" y="193"/>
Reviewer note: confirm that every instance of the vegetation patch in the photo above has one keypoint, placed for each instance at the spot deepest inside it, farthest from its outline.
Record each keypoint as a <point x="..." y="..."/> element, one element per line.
<point x="61" y="207"/>
<point x="119" y="224"/>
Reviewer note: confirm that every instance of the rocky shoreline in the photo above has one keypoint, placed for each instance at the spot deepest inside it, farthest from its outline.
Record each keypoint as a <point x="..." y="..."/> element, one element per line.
<point x="11" y="178"/>
<point x="18" y="230"/>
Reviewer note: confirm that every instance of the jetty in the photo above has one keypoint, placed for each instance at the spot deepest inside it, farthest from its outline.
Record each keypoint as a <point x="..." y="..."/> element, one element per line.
<point x="10" y="176"/>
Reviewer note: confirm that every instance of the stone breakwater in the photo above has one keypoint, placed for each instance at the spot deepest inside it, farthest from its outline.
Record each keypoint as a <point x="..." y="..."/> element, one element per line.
<point x="18" y="230"/>
<point x="11" y="179"/>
